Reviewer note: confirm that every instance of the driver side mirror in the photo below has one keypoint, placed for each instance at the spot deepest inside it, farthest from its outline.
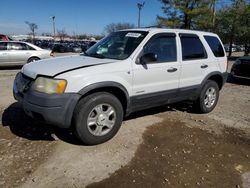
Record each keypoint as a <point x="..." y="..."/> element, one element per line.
<point x="147" y="58"/>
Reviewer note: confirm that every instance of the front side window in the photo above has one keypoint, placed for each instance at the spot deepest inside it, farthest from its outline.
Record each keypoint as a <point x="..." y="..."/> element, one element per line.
<point x="215" y="46"/>
<point x="27" y="47"/>
<point x="164" y="47"/>
<point x="192" y="48"/>
<point x="118" y="45"/>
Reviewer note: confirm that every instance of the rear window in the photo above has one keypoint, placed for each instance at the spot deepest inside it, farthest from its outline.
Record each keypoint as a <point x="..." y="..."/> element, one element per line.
<point x="192" y="48"/>
<point x="215" y="46"/>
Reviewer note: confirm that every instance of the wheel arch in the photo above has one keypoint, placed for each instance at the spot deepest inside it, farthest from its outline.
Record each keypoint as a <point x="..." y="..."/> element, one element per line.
<point x="32" y="58"/>
<point x="217" y="77"/>
<point x="114" y="88"/>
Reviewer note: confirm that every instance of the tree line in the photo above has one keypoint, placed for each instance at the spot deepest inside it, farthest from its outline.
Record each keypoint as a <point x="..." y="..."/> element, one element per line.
<point x="231" y="22"/>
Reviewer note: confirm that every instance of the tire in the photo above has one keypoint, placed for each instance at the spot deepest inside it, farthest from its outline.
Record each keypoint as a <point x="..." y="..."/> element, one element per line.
<point x="208" y="97"/>
<point x="97" y="118"/>
<point x="32" y="59"/>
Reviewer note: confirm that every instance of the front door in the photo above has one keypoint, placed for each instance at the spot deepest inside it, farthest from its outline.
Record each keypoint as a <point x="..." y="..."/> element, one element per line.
<point x="156" y="82"/>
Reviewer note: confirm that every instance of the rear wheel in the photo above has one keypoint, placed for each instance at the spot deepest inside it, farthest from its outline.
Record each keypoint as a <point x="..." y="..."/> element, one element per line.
<point x="208" y="97"/>
<point x="98" y="118"/>
<point x="32" y="59"/>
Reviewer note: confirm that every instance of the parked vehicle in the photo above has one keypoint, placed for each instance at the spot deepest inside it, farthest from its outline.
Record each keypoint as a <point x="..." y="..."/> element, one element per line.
<point x="75" y="48"/>
<point x="227" y="48"/>
<point x="61" y="48"/>
<point x="14" y="53"/>
<point x="241" y="68"/>
<point x="4" y="38"/>
<point x="127" y="71"/>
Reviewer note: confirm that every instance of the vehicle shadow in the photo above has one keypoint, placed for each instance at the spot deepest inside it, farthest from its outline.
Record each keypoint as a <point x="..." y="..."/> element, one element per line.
<point x="23" y="126"/>
<point x="11" y="67"/>
<point x="185" y="106"/>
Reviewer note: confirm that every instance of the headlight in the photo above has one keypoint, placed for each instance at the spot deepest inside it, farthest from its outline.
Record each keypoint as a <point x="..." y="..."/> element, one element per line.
<point x="49" y="85"/>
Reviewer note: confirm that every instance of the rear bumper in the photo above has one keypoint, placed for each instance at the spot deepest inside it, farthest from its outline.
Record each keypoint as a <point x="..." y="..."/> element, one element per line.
<point x="224" y="76"/>
<point x="55" y="109"/>
<point x="239" y="76"/>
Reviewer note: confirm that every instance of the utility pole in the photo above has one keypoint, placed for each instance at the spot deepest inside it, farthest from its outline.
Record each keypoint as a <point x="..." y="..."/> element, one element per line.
<point x="54" y="27"/>
<point x="214" y="11"/>
<point x="140" y="6"/>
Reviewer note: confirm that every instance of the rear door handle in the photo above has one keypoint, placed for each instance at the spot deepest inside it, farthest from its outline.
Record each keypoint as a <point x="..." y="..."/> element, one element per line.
<point x="204" y="66"/>
<point x="172" y="69"/>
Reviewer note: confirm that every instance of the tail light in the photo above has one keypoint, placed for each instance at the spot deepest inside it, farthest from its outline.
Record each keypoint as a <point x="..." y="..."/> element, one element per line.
<point x="227" y="62"/>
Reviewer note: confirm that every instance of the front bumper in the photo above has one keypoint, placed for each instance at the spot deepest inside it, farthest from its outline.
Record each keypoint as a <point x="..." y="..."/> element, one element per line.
<point x="55" y="109"/>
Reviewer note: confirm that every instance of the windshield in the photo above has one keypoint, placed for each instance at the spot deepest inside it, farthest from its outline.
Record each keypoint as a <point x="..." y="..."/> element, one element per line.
<point x="118" y="45"/>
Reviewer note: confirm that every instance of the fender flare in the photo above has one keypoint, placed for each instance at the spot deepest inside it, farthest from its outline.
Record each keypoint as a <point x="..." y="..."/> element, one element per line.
<point x="108" y="84"/>
<point x="223" y="77"/>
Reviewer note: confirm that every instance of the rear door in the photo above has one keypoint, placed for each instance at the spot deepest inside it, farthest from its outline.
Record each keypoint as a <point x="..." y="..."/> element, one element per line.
<point x="194" y="64"/>
<point x="157" y="82"/>
<point x="3" y="54"/>
<point x="218" y="52"/>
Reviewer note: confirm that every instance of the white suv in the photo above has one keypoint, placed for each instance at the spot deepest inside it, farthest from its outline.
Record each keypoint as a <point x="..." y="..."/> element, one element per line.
<point x="127" y="71"/>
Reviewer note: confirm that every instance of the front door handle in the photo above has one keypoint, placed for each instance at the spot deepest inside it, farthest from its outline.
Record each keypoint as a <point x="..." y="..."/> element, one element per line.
<point x="172" y="69"/>
<point x="204" y="66"/>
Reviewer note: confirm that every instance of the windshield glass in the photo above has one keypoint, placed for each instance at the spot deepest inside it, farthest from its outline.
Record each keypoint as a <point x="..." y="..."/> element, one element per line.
<point x="118" y="45"/>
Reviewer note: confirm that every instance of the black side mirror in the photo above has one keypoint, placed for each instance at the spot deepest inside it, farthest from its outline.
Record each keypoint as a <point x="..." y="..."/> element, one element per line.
<point x="149" y="57"/>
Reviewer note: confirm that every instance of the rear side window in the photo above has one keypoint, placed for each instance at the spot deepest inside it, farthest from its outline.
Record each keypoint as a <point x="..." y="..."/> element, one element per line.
<point x="215" y="46"/>
<point x="192" y="48"/>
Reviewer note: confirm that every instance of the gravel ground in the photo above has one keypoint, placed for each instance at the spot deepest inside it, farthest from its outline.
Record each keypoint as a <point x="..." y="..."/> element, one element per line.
<point x="164" y="146"/>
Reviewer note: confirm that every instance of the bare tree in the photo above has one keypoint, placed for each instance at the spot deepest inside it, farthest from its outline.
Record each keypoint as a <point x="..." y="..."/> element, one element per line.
<point x="32" y="27"/>
<point x="62" y="34"/>
<point x="117" y="26"/>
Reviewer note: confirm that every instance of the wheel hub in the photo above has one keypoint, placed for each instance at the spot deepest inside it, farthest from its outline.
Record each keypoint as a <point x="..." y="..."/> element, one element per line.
<point x="210" y="97"/>
<point x="101" y="119"/>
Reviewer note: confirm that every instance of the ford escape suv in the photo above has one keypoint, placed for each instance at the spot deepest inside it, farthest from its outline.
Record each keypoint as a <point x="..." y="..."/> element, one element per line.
<point x="127" y="71"/>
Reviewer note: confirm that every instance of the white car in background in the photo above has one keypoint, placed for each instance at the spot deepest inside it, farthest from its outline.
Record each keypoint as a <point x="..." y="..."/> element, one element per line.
<point x="14" y="53"/>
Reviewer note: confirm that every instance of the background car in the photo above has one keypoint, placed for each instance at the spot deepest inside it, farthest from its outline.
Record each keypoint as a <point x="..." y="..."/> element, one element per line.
<point x="61" y="48"/>
<point x="13" y="53"/>
<point x="241" y="68"/>
<point x="4" y="38"/>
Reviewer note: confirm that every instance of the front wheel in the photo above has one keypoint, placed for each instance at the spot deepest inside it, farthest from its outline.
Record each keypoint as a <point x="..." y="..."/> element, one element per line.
<point x="98" y="118"/>
<point x="208" y="97"/>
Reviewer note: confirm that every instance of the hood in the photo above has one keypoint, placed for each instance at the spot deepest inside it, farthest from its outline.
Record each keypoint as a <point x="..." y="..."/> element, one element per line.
<point x="54" y="66"/>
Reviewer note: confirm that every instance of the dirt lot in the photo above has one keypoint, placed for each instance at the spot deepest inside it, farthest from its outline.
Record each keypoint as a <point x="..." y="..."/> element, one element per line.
<point x="164" y="147"/>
